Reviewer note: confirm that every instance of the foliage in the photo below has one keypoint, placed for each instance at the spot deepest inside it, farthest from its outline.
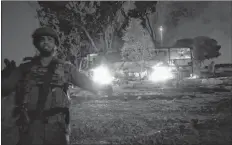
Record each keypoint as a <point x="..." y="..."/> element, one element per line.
<point x="138" y="43"/>
<point x="112" y="21"/>
<point x="102" y="21"/>
<point x="205" y="48"/>
<point x="80" y="23"/>
<point x="67" y="50"/>
<point x="142" y="11"/>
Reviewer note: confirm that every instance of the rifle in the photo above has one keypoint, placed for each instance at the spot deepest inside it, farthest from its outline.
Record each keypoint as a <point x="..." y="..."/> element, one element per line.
<point x="26" y="117"/>
<point x="24" y="120"/>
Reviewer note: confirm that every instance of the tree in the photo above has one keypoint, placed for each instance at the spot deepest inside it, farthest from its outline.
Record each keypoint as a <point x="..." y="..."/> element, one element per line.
<point x="70" y="19"/>
<point x="48" y="17"/>
<point x="111" y="18"/>
<point x="142" y="11"/>
<point x="138" y="44"/>
<point x="102" y="21"/>
<point x="205" y="48"/>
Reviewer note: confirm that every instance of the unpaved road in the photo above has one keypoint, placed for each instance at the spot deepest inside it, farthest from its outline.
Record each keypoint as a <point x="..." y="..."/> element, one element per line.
<point x="164" y="117"/>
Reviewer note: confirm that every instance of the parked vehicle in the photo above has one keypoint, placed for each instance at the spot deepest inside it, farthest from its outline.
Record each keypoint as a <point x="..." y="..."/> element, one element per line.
<point x="99" y="71"/>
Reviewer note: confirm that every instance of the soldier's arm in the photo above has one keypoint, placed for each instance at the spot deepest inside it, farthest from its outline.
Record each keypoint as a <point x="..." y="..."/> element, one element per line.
<point x="9" y="83"/>
<point x="81" y="80"/>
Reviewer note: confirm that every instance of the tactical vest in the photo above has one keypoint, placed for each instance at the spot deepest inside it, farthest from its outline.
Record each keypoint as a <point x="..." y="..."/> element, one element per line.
<point x="43" y="88"/>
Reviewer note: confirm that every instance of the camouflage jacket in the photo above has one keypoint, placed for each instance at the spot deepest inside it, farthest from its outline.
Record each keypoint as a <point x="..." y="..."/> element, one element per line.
<point x="30" y="78"/>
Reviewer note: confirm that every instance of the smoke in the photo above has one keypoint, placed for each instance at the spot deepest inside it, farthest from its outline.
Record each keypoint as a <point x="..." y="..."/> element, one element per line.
<point x="212" y="19"/>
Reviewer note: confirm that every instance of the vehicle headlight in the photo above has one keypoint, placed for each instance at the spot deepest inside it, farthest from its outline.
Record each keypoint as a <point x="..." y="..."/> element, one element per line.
<point x="161" y="73"/>
<point x="193" y="76"/>
<point x="102" y="75"/>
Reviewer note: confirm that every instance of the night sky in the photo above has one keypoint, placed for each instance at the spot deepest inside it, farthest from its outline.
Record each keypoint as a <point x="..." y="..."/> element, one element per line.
<point x="18" y="23"/>
<point x="213" y="20"/>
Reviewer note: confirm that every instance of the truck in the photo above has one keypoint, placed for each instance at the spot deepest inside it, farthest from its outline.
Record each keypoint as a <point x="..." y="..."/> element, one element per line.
<point x="172" y="63"/>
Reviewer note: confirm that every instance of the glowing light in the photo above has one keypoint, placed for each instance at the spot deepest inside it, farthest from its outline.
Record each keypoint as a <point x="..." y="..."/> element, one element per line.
<point x="193" y="76"/>
<point x="101" y="75"/>
<point x="161" y="28"/>
<point x="161" y="73"/>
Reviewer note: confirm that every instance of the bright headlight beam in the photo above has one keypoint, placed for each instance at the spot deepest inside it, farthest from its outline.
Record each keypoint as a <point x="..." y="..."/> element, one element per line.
<point x="101" y="75"/>
<point x="161" y="73"/>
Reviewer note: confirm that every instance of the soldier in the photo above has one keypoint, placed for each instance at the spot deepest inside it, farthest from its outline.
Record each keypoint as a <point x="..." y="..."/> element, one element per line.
<point x="41" y="101"/>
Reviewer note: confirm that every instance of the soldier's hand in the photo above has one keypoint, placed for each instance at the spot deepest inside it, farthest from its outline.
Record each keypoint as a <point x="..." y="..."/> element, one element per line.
<point x="17" y="110"/>
<point x="8" y="69"/>
<point x="16" y="116"/>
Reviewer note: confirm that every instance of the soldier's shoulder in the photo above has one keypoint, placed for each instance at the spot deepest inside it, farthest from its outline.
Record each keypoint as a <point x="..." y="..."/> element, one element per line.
<point x="28" y="58"/>
<point x="28" y="63"/>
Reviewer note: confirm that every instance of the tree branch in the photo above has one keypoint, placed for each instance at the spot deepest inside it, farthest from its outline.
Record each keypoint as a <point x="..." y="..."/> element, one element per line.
<point x="123" y="13"/>
<point x="90" y="38"/>
<point x="151" y="30"/>
<point x="111" y="40"/>
<point x="125" y="22"/>
<point x="75" y="23"/>
<point x="149" y="24"/>
<point x="106" y="42"/>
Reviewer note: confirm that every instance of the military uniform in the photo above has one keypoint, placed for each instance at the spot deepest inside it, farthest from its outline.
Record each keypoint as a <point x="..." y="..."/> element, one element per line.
<point x="41" y="100"/>
<point x="42" y="91"/>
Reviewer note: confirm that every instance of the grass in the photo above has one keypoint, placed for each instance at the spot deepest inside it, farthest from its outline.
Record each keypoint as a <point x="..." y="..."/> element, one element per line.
<point x="165" y="118"/>
<point x="153" y="121"/>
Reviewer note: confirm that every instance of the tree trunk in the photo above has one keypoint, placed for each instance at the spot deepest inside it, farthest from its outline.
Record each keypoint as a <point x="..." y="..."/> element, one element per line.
<point x="151" y="32"/>
<point x="109" y="37"/>
<point x="106" y="42"/>
<point x="111" y="40"/>
<point x="102" y="41"/>
<point x="91" y="40"/>
<point x="196" y="67"/>
<point x="95" y="49"/>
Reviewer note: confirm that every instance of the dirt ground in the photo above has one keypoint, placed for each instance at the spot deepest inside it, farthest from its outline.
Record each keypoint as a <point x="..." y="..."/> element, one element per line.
<point x="164" y="117"/>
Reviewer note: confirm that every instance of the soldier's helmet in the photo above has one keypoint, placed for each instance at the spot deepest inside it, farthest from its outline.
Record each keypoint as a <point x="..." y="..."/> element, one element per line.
<point x="45" y="31"/>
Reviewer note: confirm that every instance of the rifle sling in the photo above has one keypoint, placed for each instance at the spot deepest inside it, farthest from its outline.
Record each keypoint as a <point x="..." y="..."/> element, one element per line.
<point x="45" y="87"/>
